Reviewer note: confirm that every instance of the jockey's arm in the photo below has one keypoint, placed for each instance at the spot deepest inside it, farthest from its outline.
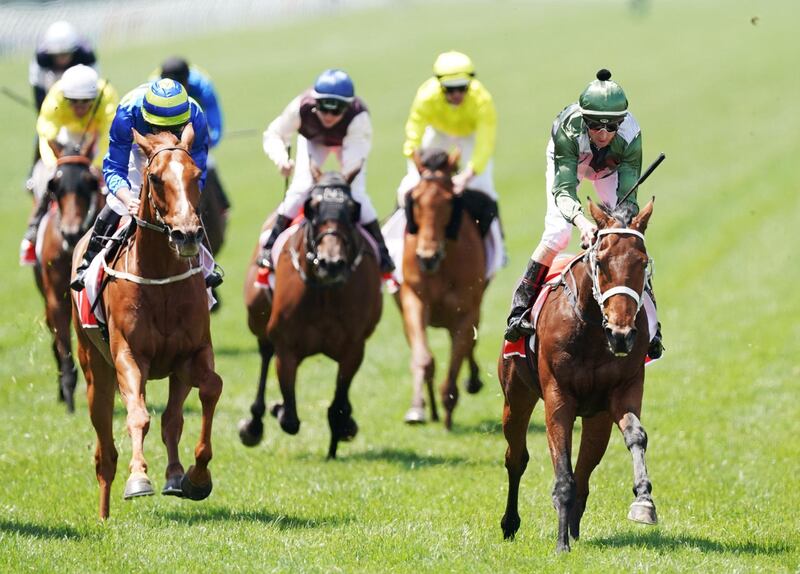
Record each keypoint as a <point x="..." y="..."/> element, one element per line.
<point x="199" y="151"/>
<point x="357" y="142"/>
<point x="630" y="168"/>
<point x="120" y="140"/>
<point x="565" y="183"/>
<point x="208" y="99"/>
<point x="278" y="134"/>
<point x="47" y="126"/>
<point x="418" y="120"/>
<point x="485" y="131"/>
<point x="109" y="100"/>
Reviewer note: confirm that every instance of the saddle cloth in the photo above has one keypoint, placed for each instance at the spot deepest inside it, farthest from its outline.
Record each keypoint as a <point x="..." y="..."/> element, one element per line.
<point x="85" y="299"/>
<point x="277" y="247"/>
<point x="42" y="229"/>
<point x="394" y="231"/>
<point x="561" y="264"/>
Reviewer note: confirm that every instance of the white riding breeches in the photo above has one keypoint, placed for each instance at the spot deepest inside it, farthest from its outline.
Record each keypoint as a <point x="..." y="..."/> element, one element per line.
<point x="483" y="182"/>
<point x="302" y="181"/>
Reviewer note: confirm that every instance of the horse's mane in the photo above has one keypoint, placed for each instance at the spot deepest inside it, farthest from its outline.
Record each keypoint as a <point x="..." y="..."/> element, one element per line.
<point x="623" y="213"/>
<point x="435" y="159"/>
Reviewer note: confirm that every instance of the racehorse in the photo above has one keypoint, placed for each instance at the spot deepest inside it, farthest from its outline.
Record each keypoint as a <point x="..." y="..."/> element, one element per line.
<point x="443" y="282"/>
<point x="327" y="299"/>
<point x="589" y="357"/>
<point x="157" y="315"/>
<point x="75" y="193"/>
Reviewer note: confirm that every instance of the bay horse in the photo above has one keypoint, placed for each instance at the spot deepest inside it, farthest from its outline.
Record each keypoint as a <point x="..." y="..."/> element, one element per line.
<point x="327" y="299"/>
<point x="590" y="348"/>
<point x="158" y="324"/>
<point x="75" y="193"/>
<point x="444" y="264"/>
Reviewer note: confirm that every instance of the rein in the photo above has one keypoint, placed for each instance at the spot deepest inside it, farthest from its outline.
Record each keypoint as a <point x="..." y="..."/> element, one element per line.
<point x="160" y="225"/>
<point x="312" y="241"/>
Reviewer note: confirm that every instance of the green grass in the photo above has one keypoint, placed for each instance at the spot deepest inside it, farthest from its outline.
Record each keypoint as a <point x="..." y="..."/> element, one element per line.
<point x="713" y="91"/>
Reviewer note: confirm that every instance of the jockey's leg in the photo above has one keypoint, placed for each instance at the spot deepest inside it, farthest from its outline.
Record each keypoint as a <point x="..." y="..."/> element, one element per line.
<point x="524" y="296"/>
<point x="369" y="218"/>
<point x="656" y="348"/>
<point x="265" y="258"/>
<point x="104" y="226"/>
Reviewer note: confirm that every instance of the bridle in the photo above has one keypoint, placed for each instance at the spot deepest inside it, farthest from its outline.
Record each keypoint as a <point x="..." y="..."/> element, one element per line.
<point x="160" y="225"/>
<point x="91" y="212"/>
<point x="602" y="296"/>
<point x="453" y="226"/>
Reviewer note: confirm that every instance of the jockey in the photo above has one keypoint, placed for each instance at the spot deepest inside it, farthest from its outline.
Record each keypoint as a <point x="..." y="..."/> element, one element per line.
<point x="328" y="118"/>
<point x="153" y="107"/>
<point x="199" y="87"/>
<point x="454" y="109"/>
<point x="78" y="109"/>
<point x="597" y="139"/>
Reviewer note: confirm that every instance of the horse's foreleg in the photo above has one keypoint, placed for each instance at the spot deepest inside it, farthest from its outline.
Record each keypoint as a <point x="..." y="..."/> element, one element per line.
<point x="594" y="440"/>
<point x="517" y="408"/>
<point x="59" y="314"/>
<point x="252" y="430"/>
<point x="422" y="364"/>
<point x="559" y="419"/>
<point x="100" y="394"/>
<point x="474" y="383"/>
<point x="340" y="413"/>
<point x="643" y="509"/>
<point x="462" y="343"/>
<point x="196" y="483"/>
<point x="131" y="378"/>
<point x="172" y="429"/>
<point x="286" y="412"/>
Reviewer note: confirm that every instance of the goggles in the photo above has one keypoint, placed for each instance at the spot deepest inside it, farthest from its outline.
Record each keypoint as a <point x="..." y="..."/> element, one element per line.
<point x="331" y="106"/>
<point x="80" y="101"/>
<point x="608" y="125"/>
<point x="455" y="89"/>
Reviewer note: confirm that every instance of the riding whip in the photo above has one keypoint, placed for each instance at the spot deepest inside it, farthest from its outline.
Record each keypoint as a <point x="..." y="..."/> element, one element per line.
<point x="661" y="157"/>
<point x="17" y="98"/>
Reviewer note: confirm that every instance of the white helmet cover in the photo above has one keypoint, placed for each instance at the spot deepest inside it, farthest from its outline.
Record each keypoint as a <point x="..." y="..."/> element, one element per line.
<point x="79" y="83"/>
<point x="60" y="38"/>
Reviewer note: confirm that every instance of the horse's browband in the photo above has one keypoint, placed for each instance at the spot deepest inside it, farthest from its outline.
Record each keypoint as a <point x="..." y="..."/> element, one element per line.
<point x="171" y="148"/>
<point x="70" y="159"/>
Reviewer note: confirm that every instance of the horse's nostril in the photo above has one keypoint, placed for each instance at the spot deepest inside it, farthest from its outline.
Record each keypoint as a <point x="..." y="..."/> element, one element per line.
<point x="177" y="236"/>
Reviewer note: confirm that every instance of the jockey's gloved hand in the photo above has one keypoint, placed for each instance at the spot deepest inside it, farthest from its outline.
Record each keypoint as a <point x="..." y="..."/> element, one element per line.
<point x="461" y="179"/>
<point x="519" y="327"/>
<point x="286" y="168"/>
<point x="587" y="228"/>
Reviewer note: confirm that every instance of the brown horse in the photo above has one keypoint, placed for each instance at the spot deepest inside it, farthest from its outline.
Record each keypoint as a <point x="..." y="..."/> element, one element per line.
<point x="75" y="191"/>
<point x="589" y="358"/>
<point x="158" y="323"/>
<point x="443" y="282"/>
<point x="327" y="300"/>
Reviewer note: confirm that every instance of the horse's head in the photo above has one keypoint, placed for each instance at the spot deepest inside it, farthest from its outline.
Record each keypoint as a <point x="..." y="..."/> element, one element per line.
<point x="332" y="214"/>
<point x="433" y="211"/>
<point x="75" y="188"/>
<point x="171" y="188"/>
<point x="620" y="269"/>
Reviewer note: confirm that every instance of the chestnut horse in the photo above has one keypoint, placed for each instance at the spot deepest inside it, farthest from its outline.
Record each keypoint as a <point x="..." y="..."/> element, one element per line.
<point x="75" y="191"/>
<point x="590" y="349"/>
<point x="158" y="323"/>
<point x="327" y="300"/>
<point x="443" y="282"/>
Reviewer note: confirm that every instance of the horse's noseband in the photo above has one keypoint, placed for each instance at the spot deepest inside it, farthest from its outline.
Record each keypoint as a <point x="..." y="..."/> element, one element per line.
<point x="160" y="225"/>
<point x="602" y="296"/>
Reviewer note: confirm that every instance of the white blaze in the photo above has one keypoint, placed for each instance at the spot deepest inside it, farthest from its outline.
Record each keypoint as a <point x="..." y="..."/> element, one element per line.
<point x="182" y="202"/>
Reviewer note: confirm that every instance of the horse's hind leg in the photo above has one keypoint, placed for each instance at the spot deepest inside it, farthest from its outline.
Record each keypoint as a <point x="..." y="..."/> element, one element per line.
<point x="517" y="408"/>
<point x="340" y="413"/>
<point x="474" y="382"/>
<point x="643" y="509"/>
<point x="196" y="483"/>
<point x="172" y="429"/>
<point x="251" y="430"/>
<point x="594" y="440"/>
<point x="461" y="346"/>
<point x="59" y="318"/>
<point x="286" y="411"/>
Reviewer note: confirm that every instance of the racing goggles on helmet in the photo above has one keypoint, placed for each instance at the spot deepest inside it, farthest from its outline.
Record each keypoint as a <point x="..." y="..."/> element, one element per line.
<point x="609" y="125"/>
<point x="332" y="106"/>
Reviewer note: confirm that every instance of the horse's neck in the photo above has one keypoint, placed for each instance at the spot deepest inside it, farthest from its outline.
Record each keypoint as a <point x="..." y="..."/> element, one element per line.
<point x="150" y="250"/>
<point x="582" y="287"/>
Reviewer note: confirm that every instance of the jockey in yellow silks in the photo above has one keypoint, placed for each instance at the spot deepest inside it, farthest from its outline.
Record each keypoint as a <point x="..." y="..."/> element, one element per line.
<point x="79" y="106"/>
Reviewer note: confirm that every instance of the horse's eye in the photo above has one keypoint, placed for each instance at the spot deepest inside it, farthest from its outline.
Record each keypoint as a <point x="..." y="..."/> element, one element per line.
<point x="154" y="179"/>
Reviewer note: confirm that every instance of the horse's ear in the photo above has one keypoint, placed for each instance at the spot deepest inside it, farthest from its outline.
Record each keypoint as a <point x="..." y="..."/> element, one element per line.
<point x="350" y="176"/>
<point x="452" y="160"/>
<point x="316" y="173"/>
<point x="87" y="150"/>
<point x="187" y="136"/>
<point x="57" y="149"/>
<point x="600" y="217"/>
<point x="639" y="222"/>
<point x="143" y="143"/>
<point x="417" y="159"/>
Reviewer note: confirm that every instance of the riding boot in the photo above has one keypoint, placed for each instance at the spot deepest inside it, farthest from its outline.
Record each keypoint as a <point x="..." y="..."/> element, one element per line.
<point x="656" y="348"/>
<point x="524" y="297"/>
<point x="27" y="250"/>
<point x="104" y="226"/>
<point x="374" y="229"/>
<point x="265" y="257"/>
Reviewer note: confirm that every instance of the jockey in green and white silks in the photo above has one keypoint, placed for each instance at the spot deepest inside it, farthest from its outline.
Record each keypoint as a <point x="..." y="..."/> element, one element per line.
<point x="598" y="139"/>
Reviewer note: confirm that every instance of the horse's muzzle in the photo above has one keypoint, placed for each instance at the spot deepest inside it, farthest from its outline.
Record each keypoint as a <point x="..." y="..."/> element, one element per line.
<point x="430" y="263"/>
<point x="70" y="234"/>
<point x="620" y="339"/>
<point x="331" y="271"/>
<point x="187" y="243"/>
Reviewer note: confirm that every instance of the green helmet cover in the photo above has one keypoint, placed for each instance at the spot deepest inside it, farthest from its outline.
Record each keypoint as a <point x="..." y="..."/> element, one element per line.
<point x="603" y="98"/>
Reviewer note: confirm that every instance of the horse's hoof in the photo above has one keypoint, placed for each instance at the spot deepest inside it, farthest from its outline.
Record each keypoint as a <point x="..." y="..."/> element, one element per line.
<point x="350" y="431"/>
<point x="173" y="487"/>
<point x="561" y="547"/>
<point x="474" y="385"/>
<point x="643" y="511"/>
<point x="251" y="431"/>
<point x="194" y="492"/>
<point x="289" y="426"/>
<point x="510" y="525"/>
<point x="138" y="485"/>
<point x="415" y="416"/>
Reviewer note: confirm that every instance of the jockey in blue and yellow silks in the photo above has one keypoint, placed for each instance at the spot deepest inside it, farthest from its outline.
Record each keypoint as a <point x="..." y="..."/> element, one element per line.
<point x="150" y="108"/>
